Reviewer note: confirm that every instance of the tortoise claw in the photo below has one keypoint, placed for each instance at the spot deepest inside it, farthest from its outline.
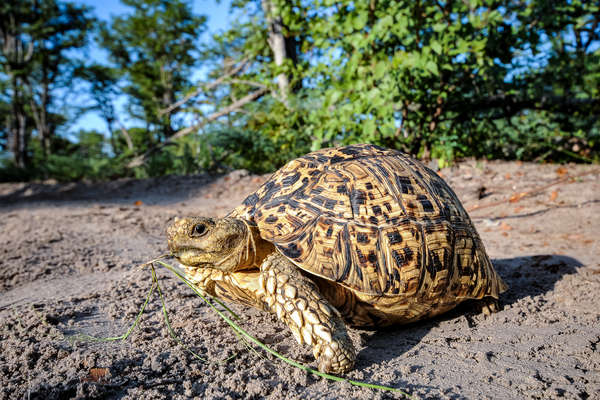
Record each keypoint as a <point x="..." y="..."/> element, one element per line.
<point x="488" y="306"/>
<point x="336" y="357"/>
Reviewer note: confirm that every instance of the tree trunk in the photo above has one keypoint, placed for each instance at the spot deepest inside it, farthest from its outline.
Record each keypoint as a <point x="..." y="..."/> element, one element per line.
<point x="17" y="133"/>
<point x="17" y="55"/>
<point x="17" y="137"/>
<point x="168" y="98"/>
<point x="282" y="47"/>
<point x="125" y="134"/>
<point x="40" y="116"/>
<point x="40" y="109"/>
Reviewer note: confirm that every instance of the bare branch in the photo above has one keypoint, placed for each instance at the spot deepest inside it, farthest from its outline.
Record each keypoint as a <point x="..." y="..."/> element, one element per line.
<point x="137" y="161"/>
<point x="204" y="88"/>
<point x="126" y="135"/>
<point x="249" y="83"/>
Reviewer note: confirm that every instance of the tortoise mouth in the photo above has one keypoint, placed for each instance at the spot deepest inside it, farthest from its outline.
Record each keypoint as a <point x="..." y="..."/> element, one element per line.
<point x="186" y="256"/>
<point x="184" y="249"/>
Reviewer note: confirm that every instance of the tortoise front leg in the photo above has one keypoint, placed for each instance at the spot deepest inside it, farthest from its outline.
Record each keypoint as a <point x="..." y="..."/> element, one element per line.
<point x="297" y="302"/>
<point x="202" y="278"/>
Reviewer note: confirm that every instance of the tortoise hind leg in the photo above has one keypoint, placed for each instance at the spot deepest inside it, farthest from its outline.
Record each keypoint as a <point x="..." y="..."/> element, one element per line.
<point x="487" y="306"/>
<point x="298" y="303"/>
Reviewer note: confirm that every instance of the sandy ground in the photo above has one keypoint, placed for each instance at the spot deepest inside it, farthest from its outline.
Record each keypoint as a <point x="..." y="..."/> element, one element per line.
<point x="68" y="266"/>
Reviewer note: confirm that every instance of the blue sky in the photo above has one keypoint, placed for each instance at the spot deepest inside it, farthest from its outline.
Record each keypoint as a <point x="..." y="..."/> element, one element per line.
<point x="218" y="16"/>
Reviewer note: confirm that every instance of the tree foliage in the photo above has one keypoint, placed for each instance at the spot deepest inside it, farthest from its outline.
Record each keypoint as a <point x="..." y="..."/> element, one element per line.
<point x="36" y="64"/>
<point x="434" y="78"/>
<point x="154" y="49"/>
<point x="515" y="79"/>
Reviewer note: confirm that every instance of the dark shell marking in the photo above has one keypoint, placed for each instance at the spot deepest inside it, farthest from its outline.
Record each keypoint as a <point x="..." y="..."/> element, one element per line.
<point x="375" y="221"/>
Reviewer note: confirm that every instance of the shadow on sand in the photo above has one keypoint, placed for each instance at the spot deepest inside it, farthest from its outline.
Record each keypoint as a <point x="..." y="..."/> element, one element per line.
<point x="120" y="190"/>
<point x="527" y="276"/>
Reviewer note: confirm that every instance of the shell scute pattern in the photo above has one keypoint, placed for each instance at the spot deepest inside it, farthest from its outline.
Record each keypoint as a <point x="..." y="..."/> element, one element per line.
<point x="373" y="220"/>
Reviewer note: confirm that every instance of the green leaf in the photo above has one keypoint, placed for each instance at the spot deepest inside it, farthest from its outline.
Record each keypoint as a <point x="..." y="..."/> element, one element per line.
<point x="335" y="96"/>
<point x="380" y="69"/>
<point x="432" y="67"/>
<point x="360" y="20"/>
<point x="368" y="128"/>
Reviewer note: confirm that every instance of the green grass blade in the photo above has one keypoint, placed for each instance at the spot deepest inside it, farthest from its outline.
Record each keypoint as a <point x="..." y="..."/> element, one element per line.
<point x="155" y="284"/>
<point x="168" y="322"/>
<point x="207" y="299"/>
<point x="126" y="334"/>
<point x="216" y="300"/>
<point x="257" y="342"/>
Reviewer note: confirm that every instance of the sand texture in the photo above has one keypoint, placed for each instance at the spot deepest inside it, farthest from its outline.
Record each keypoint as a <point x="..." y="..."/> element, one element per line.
<point x="69" y="266"/>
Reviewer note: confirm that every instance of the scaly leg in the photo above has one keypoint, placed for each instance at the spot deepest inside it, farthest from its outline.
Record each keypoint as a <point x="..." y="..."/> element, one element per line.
<point x="297" y="302"/>
<point x="488" y="306"/>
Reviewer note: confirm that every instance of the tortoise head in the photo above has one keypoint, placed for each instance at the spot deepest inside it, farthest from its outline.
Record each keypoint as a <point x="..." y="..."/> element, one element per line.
<point x="219" y="243"/>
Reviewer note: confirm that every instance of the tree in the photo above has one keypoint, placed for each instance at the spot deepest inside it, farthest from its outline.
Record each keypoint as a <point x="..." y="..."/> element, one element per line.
<point x="17" y="53"/>
<point x="104" y="90"/>
<point x="433" y="78"/>
<point x="155" y="49"/>
<point x="36" y="38"/>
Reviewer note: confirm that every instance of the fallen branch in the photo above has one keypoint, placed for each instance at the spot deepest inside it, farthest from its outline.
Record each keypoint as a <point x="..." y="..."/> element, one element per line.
<point x="518" y="196"/>
<point x="139" y="160"/>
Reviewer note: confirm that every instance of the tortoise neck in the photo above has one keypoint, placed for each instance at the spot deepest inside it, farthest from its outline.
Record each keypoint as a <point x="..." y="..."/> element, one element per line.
<point x="255" y="249"/>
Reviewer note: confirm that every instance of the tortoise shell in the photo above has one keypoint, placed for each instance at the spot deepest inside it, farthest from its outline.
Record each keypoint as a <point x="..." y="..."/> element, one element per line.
<point x="375" y="221"/>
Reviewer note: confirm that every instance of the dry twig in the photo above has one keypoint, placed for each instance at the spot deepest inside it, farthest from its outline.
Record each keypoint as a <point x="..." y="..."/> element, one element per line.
<point x="518" y="196"/>
<point x="139" y="160"/>
<point x="205" y="88"/>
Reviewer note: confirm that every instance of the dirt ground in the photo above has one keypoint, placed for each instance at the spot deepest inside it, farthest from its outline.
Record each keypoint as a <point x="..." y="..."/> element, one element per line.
<point x="68" y="265"/>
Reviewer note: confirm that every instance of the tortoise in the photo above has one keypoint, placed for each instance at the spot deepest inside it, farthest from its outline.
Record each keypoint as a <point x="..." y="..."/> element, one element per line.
<point x="359" y="234"/>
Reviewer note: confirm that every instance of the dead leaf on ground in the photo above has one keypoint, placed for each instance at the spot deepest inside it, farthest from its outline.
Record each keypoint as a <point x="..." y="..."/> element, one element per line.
<point x="507" y="176"/>
<point x="516" y="197"/>
<point x="505" y="227"/>
<point x="518" y="209"/>
<point x="96" y="375"/>
<point x="504" y="233"/>
<point x="561" y="171"/>
<point x="138" y="203"/>
<point x="553" y="195"/>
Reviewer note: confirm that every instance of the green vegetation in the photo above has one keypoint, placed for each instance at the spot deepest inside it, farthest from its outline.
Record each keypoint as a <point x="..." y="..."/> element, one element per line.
<point x="437" y="79"/>
<point x="227" y="315"/>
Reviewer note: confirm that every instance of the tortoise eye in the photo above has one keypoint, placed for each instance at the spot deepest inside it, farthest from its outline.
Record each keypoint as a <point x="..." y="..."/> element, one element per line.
<point x="199" y="230"/>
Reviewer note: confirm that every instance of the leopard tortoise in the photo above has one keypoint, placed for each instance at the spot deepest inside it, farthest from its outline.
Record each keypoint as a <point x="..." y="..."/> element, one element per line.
<point x="359" y="234"/>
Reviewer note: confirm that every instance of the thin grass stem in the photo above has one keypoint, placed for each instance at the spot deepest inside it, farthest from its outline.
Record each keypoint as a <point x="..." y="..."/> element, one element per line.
<point x="170" y="328"/>
<point x="257" y="342"/>
<point x="125" y="335"/>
